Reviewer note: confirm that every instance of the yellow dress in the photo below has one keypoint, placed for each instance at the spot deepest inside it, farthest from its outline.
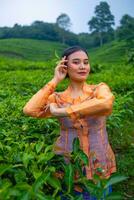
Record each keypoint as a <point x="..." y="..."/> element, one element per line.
<point x="86" y="120"/>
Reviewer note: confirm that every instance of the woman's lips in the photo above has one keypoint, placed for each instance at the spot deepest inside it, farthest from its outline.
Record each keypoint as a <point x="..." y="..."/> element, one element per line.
<point x="82" y="73"/>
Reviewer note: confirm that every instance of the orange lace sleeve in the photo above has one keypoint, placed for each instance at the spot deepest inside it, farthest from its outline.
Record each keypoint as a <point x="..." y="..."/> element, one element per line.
<point x="38" y="105"/>
<point x="101" y="104"/>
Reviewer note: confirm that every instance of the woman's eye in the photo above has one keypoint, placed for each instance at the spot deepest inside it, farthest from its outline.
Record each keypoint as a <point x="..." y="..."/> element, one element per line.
<point x="76" y="62"/>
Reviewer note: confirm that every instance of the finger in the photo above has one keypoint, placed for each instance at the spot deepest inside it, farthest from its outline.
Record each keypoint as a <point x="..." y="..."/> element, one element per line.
<point x="63" y="57"/>
<point x="64" y="70"/>
<point x="63" y="61"/>
<point x="52" y="103"/>
<point x="62" y="66"/>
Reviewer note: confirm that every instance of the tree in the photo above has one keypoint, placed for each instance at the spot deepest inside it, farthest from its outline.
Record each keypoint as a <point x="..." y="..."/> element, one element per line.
<point x="126" y="29"/>
<point x="103" y="21"/>
<point x="126" y="32"/>
<point x="63" y="21"/>
<point x="44" y="30"/>
<point x="64" y="24"/>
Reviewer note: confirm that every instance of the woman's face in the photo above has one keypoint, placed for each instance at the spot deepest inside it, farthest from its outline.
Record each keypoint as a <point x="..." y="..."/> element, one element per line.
<point x="78" y="66"/>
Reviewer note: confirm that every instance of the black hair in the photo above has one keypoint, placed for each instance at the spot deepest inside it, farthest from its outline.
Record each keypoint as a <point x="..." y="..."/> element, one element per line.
<point x="73" y="49"/>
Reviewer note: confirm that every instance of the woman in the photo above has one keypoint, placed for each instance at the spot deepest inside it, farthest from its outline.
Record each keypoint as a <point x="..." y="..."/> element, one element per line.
<point x="81" y="110"/>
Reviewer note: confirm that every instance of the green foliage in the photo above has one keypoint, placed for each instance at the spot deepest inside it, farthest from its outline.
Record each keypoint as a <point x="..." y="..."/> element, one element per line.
<point x="97" y="68"/>
<point x="97" y="187"/>
<point x="28" y="163"/>
<point x="130" y="57"/>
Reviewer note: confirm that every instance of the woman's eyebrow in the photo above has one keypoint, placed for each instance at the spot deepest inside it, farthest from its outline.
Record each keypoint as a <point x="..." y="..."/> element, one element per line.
<point x="79" y="59"/>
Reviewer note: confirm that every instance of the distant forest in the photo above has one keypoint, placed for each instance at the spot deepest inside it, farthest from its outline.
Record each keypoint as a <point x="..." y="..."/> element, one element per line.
<point x="100" y="27"/>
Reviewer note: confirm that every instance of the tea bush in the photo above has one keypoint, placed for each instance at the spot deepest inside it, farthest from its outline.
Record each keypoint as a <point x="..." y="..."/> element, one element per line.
<point x="27" y="163"/>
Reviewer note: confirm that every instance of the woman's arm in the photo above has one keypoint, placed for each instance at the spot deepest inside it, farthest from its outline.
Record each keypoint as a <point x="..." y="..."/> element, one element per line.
<point x="37" y="106"/>
<point x="100" y="105"/>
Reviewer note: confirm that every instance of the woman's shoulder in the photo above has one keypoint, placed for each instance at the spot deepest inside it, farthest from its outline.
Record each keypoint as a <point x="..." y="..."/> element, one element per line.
<point x="103" y="85"/>
<point x="94" y="86"/>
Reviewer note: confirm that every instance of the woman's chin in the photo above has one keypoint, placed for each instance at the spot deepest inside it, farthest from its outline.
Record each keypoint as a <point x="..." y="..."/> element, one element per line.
<point x="80" y="79"/>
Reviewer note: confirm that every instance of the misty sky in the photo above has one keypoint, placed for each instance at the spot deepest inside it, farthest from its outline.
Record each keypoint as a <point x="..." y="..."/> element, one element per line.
<point x="24" y="12"/>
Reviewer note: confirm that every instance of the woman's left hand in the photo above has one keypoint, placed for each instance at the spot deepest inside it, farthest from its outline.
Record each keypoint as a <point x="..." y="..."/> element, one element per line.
<point x="53" y="108"/>
<point x="56" y="111"/>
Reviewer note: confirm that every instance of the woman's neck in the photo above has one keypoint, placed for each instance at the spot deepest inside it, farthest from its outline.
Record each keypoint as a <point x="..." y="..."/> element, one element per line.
<point x="76" y="86"/>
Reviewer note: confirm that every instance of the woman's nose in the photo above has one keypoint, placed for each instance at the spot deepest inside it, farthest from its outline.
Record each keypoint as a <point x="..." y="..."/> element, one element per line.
<point x="82" y="66"/>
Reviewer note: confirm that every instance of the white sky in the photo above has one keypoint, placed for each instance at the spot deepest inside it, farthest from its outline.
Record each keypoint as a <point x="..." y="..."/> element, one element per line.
<point x="24" y="12"/>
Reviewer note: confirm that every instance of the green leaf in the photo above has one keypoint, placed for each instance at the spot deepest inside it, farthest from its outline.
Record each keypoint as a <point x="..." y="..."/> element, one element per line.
<point x="52" y="169"/>
<point x="8" y="148"/>
<point x="45" y="157"/>
<point x="76" y="145"/>
<point x="54" y="182"/>
<point x="4" y="168"/>
<point x="36" y="173"/>
<point x="90" y="186"/>
<point x="48" y="148"/>
<point x="69" y="177"/>
<point x="13" y="192"/>
<point x="56" y="55"/>
<point x="23" y="186"/>
<point x="20" y="176"/>
<point x="27" y="157"/>
<point x="1" y="146"/>
<point x="25" y="196"/>
<point x="80" y="197"/>
<point x="1" y="158"/>
<point x="83" y="157"/>
<point x="69" y="196"/>
<point x="115" y="179"/>
<point x="5" y="185"/>
<point x="78" y="167"/>
<point x="114" y="196"/>
<point x="40" y="180"/>
<point x="41" y="196"/>
<point x="39" y="146"/>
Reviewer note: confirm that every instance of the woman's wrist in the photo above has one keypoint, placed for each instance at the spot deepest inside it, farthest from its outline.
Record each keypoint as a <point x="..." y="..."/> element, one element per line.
<point x="61" y="112"/>
<point x="58" y="112"/>
<point x="55" y="81"/>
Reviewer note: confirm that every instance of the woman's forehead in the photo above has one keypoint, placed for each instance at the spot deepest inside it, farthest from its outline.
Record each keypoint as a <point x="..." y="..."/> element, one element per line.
<point x="78" y="55"/>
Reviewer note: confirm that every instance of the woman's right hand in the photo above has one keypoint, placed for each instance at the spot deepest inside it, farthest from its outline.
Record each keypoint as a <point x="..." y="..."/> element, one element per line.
<point x="61" y="70"/>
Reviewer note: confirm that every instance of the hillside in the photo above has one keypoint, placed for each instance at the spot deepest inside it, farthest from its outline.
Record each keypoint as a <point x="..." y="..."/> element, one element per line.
<point x="39" y="50"/>
<point x="113" y="52"/>
<point x="29" y="49"/>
